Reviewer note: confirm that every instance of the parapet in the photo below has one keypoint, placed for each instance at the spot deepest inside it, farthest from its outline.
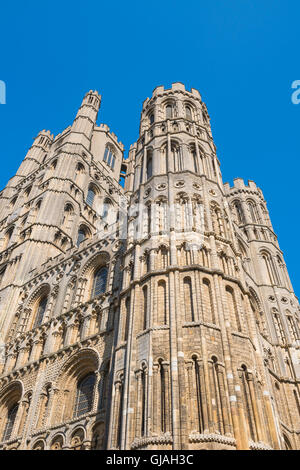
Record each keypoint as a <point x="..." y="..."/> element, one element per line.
<point x="106" y="128"/>
<point x="133" y="146"/>
<point x="239" y="184"/>
<point x="44" y="133"/>
<point x="92" y="92"/>
<point x="177" y="86"/>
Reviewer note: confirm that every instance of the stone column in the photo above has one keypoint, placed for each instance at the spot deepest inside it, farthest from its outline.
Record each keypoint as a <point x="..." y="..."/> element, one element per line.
<point x="257" y="421"/>
<point x="155" y="400"/>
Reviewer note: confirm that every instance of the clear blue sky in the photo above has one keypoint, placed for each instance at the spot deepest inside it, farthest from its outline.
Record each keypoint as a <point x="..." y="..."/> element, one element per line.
<point x="242" y="55"/>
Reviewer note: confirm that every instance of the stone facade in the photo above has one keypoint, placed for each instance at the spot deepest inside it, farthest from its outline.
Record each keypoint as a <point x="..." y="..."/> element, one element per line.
<point x="158" y="315"/>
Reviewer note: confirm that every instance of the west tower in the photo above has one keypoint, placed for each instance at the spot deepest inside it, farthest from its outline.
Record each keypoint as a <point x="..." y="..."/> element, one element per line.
<point x="171" y="326"/>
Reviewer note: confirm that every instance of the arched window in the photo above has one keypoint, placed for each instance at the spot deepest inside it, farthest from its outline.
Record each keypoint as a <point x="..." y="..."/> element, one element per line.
<point x="269" y="268"/>
<point x="278" y="326"/>
<point x="232" y="308"/>
<point x="188" y="300"/>
<point x="162" y="258"/>
<point x="151" y="118"/>
<point x="145" y="308"/>
<point x="193" y="156"/>
<point x="68" y="211"/>
<point x="90" y="196"/>
<point x="99" y="284"/>
<point x="169" y="111"/>
<point x="264" y="214"/>
<point x="149" y="165"/>
<point x="283" y="276"/>
<point x="146" y="259"/>
<point x="160" y="215"/>
<point x="11" y="418"/>
<point x="247" y="398"/>
<point x="82" y="235"/>
<point x="106" y="206"/>
<point x="41" y="311"/>
<point x="239" y="212"/>
<point x="176" y="156"/>
<point x="163" y="401"/>
<point x="105" y="156"/>
<point x="85" y="395"/>
<point x="79" y="172"/>
<point x="143" y="400"/>
<point x="188" y="113"/>
<point x="199" y="405"/>
<point x="162" y="303"/>
<point x="109" y="157"/>
<point x="253" y="212"/>
<point x="148" y="219"/>
<point x="218" y="386"/>
<point x="208" y="308"/>
<point x="292" y="326"/>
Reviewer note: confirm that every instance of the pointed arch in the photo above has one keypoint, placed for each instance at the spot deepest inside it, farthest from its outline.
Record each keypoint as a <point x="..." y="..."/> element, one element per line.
<point x="188" y="299"/>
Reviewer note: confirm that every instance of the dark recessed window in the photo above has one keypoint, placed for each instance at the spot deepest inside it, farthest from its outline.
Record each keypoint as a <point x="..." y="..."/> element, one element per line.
<point x="11" y="418"/>
<point x="85" y="393"/>
<point x="100" y="278"/>
<point x="90" y="196"/>
<point x="41" y="312"/>
<point x="81" y="236"/>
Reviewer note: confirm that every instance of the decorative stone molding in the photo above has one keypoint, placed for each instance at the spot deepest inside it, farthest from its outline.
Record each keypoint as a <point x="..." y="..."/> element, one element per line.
<point x="219" y="438"/>
<point x="259" y="446"/>
<point x="163" y="439"/>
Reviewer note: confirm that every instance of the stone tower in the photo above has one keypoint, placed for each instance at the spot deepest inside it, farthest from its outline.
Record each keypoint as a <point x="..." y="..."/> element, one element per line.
<point x="158" y="315"/>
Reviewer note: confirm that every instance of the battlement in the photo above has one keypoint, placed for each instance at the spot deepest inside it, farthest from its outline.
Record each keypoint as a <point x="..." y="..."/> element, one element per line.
<point x="45" y="133"/>
<point x="133" y="146"/>
<point x="239" y="184"/>
<point x="93" y="92"/>
<point x="106" y="128"/>
<point x="175" y="87"/>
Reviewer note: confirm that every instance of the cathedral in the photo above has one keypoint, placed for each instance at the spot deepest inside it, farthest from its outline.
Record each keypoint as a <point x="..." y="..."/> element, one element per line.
<point x="144" y="303"/>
